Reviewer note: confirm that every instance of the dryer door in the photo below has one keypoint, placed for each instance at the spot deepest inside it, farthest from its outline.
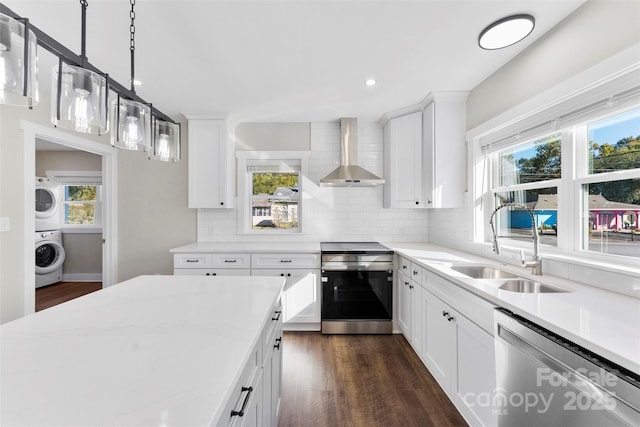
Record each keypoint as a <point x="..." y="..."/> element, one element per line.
<point x="49" y="256"/>
<point x="46" y="202"/>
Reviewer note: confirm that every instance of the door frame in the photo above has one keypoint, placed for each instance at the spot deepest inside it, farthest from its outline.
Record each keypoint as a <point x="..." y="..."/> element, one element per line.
<point x="109" y="155"/>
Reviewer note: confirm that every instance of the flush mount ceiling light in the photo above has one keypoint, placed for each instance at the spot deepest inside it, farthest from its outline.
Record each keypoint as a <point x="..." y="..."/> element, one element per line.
<point x="79" y="95"/>
<point x="131" y="120"/>
<point x="370" y="82"/>
<point x="506" y="31"/>
<point x="18" y="72"/>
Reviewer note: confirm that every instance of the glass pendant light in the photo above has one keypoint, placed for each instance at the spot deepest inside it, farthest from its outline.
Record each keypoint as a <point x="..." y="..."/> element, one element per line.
<point x="131" y="120"/>
<point x="79" y="97"/>
<point x="18" y="63"/>
<point x="130" y="125"/>
<point x="166" y="141"/>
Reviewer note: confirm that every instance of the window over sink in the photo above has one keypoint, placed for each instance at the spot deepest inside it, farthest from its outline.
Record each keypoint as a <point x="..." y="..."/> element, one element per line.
<point x="582" y="182"/>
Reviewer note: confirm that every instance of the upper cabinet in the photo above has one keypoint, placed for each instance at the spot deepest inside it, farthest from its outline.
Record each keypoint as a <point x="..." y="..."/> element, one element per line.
<point x="211" y="163"/>
<point x="425" y="155"/>
<point x="403" y="162"/>
<point x="444" y="153"/>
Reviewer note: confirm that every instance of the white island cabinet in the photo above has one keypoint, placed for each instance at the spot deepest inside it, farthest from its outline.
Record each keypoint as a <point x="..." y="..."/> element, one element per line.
<point x="154" y="350"/>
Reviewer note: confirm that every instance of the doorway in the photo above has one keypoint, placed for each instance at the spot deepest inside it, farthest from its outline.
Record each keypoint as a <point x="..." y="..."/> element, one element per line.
<point x="35" y="138"/>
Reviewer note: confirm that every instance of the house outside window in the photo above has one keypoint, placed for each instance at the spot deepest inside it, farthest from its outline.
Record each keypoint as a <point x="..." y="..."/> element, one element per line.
<point x="582" y="183"/>
<point x="270" y="191"/>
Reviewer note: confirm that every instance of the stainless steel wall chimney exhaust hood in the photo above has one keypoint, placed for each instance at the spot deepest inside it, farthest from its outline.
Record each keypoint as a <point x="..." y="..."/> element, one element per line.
<point x="349" y="174"/>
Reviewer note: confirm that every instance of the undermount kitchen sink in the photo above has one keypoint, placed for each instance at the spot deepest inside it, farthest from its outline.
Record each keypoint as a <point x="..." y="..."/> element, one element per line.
<point x="483" y="272"/>
<point x="525" y="286"/>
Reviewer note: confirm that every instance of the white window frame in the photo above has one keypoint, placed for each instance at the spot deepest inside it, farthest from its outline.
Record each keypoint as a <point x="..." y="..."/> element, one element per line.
<point x="245" y="192"/>
<point x="569" y="116"/>
<point x="66" y="178"/>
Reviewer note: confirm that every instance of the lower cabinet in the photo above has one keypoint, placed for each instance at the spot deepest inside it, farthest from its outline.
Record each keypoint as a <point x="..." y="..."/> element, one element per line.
<point x="451" y="330"/>
<point x="302" y="291"/>
<point x="409" y="300"/>
<point x="255" y="399"/>
<point x="458" y="352"/>
<point x="301" y="297"/>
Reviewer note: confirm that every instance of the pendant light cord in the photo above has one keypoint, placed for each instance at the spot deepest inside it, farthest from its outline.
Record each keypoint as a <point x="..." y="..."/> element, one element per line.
<point x="83" y="46"/>
<point x="132" y="43"/>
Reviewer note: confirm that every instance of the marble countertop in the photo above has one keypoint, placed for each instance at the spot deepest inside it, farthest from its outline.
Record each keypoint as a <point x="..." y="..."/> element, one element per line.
<point x="227" y="247"/>
<point x="604" y="322"/>
<point x="153" y="350"/>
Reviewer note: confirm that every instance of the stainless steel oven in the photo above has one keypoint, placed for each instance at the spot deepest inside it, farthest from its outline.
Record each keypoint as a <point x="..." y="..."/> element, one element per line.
<point x="357" y="288"/>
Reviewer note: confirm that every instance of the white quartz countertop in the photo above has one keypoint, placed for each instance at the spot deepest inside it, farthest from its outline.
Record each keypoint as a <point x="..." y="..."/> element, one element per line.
<point x="227" y="247"/>
<point x="154" y="350"/>
<point x="604" y="322"/>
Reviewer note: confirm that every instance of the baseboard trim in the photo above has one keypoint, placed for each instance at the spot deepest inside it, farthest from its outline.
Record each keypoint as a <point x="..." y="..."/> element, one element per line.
<point x="82" y="277"/>
<point x="300" y="327"/>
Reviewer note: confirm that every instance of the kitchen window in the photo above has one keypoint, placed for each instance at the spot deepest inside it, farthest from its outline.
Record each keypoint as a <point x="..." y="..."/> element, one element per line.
<point x="582" y="183"/>
<point x="272" y="187"/>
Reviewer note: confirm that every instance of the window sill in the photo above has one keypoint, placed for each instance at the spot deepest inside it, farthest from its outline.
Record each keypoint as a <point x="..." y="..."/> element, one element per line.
<point x="86" y="229"/>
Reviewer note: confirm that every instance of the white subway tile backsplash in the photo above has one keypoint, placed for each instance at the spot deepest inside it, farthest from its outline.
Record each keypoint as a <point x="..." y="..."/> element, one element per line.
<point x="332" y="213"/>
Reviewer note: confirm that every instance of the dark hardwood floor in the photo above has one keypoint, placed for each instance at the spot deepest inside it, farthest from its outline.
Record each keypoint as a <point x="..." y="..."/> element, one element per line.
<point x="359" y="381"/>
<point x="48" y="296"/>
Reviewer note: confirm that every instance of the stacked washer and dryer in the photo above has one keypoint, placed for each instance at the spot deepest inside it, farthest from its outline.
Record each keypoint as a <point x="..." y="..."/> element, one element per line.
<point x="50" y="253"/>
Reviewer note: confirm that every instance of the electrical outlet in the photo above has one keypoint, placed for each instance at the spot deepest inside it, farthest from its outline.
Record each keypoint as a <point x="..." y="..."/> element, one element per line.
<point x="5" y="223"/>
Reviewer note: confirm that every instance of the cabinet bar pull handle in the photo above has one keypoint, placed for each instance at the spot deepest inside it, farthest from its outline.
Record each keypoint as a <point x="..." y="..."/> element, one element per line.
<point x="285" y="260"/>
<point x="230" y="260"/>
<point x="445" y="313"/>
<point x="191" y="260"/>
<point x="450" y="318"/>
<point x="277" y="344"/>
<point x="277" y="315"/>
<point x="240" y="413"/>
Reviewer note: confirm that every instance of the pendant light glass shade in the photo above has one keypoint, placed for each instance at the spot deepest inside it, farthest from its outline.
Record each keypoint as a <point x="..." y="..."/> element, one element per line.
<point x="79" y="99"/>
<point x="17" y="58"/>
<point x="166" y="141"/>
<point x="130" y="125"/>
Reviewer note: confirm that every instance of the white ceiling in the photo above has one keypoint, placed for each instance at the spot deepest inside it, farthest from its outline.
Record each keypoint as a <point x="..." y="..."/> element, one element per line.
<point x="288" y="60"/>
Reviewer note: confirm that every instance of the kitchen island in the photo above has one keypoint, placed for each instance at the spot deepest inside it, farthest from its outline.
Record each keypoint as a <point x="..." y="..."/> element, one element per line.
<point x="153" y="350"/>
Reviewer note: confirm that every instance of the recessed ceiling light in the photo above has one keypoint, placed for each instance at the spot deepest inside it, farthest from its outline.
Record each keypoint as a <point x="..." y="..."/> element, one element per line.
<point x="506" y="31"/>
<point x="370" y="82"/>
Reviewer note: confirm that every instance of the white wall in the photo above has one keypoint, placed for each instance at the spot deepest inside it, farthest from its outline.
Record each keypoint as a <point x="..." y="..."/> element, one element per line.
<point x="596" y="32"/>
<point x="591" y="34"/>
<point x="152" y="204"/>
<point x="338" y="214"/>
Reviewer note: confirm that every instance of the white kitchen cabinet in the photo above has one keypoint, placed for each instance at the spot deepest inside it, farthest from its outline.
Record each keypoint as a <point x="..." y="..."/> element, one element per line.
<point x="302" y="290"/>
<point x="301" y="297"/>
<point x="476" y="372"/>
<point x="458" y="352"/>
<point x="272" y="369"/>
<point x="403" y="162"/>
<point x="443" y="151"/>
<point x="211" y="163"/>
<point x="409" y="301"/>
<point x="212" y="264"/>
<point x="440" y="340"/>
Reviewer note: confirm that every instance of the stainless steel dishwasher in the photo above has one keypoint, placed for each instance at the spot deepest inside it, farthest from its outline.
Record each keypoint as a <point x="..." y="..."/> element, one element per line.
<point x="545" y="380"/>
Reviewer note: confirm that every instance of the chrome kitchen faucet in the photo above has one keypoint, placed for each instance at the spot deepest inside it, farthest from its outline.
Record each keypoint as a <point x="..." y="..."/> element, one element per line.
<point x="536" y="263"/>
